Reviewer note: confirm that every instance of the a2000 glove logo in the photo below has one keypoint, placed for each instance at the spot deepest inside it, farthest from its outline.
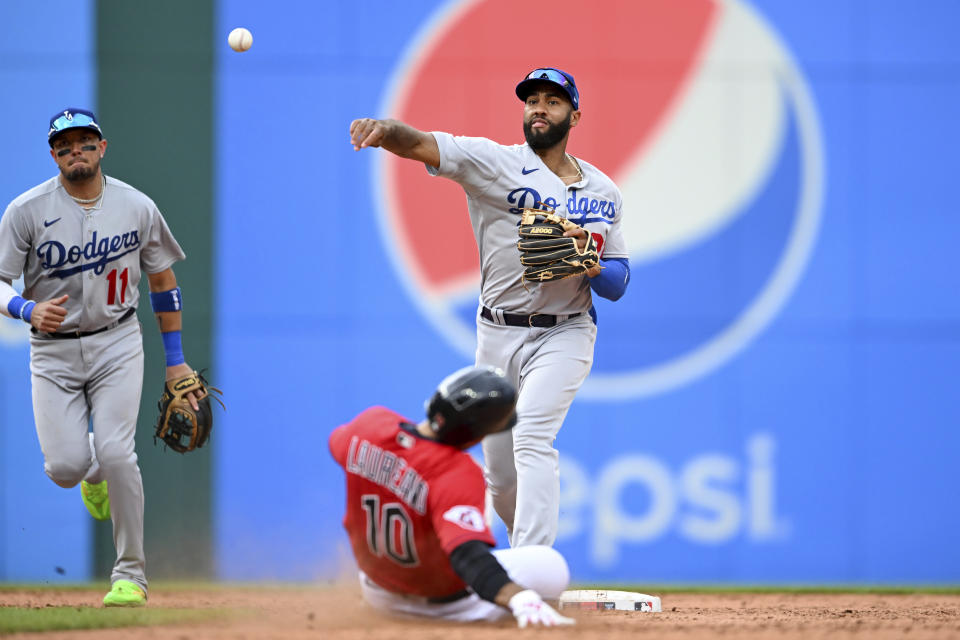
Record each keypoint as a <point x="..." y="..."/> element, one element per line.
<point x="699" y="114"/>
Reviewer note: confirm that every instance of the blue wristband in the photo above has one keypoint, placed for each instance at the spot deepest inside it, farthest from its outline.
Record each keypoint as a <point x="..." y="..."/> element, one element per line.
<point x="173" y="348"/>
<point x="26" y="313"/>
<point x="22" y="308"/>
<point x="166" y="300"/>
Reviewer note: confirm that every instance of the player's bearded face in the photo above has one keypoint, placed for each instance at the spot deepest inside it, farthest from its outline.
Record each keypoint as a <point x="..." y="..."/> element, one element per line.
<point x="549" y="136"/>
<point x="77" y="165"/>
<point x="80" y="171"/>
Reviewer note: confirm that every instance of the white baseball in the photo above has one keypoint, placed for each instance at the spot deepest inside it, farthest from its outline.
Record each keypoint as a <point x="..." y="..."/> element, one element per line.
<point x="240" y="39"/>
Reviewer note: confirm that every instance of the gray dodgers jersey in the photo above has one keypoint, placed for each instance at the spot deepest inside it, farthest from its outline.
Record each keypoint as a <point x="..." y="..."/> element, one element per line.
<point x="499" y="181"/>
<point x="94" y="256"/>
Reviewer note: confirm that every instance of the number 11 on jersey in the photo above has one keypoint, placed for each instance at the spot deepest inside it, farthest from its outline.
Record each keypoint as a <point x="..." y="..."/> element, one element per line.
<point x="112" y="286"/>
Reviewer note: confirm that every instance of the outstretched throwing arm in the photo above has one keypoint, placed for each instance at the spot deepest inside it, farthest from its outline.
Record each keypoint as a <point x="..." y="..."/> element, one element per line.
<point x="397" y="138"/>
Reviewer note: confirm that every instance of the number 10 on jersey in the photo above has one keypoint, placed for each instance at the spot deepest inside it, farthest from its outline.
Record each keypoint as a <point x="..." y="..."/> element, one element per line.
<point x="389" y="531"/>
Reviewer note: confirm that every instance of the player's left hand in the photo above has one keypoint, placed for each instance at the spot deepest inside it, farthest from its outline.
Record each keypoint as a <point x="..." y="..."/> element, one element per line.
<point x="529" y="609"/>
<point x="582" y="237"/>
<point x="178" y="371"/>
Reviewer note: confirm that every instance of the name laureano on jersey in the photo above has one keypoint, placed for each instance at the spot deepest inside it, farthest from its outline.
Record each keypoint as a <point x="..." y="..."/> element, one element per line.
<point x="386" y="469"/>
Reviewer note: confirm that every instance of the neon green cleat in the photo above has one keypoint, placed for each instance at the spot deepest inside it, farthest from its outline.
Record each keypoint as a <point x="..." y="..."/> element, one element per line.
<point x="96" y="499"/>
<point x="125" y="594"/>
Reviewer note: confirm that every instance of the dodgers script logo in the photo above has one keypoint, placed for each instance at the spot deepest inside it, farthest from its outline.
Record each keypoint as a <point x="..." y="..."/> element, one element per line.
<point x="580" y="209"/>
<point x="701" y="117"/>
<point x="97" y="253"/>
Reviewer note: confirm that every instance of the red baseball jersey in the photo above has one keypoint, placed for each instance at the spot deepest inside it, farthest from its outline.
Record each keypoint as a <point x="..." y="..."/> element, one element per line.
<point x="410" y="502"/>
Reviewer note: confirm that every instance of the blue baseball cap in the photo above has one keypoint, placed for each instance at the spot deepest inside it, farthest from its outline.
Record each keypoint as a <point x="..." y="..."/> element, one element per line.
<point x="548" y="74"/>
<point x="72" y="118"/>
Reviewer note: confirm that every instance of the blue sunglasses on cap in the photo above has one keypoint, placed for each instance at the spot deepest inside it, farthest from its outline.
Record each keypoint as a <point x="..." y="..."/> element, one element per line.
<point x="548" y="74"/>
<point x="72" y="119"/>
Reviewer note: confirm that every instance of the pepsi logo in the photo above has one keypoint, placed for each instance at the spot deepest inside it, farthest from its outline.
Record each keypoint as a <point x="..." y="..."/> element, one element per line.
<point x="698" y="112"/>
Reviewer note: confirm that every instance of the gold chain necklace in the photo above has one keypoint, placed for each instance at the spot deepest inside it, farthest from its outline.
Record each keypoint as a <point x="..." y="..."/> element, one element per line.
<point x="576" y="164"/>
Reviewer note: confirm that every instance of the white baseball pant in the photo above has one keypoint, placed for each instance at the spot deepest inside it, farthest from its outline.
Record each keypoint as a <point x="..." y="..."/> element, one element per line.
<point x="535" y="567"/>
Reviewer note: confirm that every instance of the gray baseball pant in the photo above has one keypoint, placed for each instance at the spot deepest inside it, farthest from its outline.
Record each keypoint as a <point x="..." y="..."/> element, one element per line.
<point x="95" y="379"/>
<point x="547" y="365"/>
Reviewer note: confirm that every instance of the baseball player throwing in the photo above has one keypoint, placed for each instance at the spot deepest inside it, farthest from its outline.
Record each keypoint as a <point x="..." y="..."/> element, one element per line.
<point x="415" y="511"/>
<point x="81" y="240"/>
<point x="540" y="334"/>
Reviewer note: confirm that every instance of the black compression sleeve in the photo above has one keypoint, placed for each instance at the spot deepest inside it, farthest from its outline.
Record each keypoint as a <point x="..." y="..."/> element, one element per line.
<point x="476" y="566"/>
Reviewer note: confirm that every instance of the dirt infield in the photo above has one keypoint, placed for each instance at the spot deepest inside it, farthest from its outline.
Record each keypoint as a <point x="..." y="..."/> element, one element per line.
<point x="313" y="612"/>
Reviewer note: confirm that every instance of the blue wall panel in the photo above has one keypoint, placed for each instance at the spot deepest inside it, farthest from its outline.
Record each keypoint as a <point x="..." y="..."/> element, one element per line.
<point x="46" y="64"/>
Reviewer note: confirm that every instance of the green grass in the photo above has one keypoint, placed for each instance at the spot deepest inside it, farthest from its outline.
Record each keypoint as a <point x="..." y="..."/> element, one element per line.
<point x="59" y="586"/>
<point x="66" y="618"/>
<point x="24" y="619"/>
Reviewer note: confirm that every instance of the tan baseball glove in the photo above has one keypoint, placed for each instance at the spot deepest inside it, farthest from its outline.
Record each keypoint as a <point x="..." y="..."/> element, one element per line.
<point x="179" y="426"/>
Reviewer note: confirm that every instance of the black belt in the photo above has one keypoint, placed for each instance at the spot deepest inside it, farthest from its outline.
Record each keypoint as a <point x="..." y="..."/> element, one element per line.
<point x="83" y="334"/>
<point x="519" y="320"/>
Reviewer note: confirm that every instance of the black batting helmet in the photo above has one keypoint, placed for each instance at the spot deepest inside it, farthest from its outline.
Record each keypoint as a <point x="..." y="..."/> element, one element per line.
<point x="470" y="404"/>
